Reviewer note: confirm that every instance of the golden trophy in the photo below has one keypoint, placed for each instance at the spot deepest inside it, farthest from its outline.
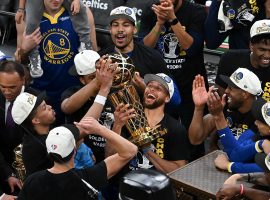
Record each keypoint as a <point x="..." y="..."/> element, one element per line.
<point x="18" y="163"/>
<point x="124" y="92"/>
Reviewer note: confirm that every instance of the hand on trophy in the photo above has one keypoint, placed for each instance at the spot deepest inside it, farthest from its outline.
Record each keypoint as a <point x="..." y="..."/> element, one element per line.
<point x="105" y="72"/>
<point x="122" y="113"/>
<point x="138" y="82"/>
<point x="14" y="182"/>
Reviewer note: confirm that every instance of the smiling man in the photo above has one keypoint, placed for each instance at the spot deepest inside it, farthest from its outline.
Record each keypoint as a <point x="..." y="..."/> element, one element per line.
<point x="122" y="28"/>
<point x="243" y="87"/>
<point x="256" y="59"/>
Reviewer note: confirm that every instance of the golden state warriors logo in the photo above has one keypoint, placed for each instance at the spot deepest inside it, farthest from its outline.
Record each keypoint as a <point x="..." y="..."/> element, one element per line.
<point x="56" y="46"/>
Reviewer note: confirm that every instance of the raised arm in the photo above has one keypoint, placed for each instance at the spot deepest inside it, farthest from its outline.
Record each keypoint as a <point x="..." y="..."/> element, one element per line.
<point x="104" y="74"/>
<point x="201" y="126"/>
<point x="125" y="150"/>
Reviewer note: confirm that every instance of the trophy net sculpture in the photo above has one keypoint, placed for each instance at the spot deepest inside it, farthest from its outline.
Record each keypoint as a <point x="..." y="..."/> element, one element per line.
<point x="125" y="92"/>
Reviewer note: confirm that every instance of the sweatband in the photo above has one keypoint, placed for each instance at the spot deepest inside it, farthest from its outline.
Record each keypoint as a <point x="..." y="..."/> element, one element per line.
<point x="100" y="99"/>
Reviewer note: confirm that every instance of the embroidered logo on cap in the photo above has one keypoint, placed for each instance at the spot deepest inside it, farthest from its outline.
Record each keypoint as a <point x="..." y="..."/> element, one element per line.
<point x="264" y="28"/>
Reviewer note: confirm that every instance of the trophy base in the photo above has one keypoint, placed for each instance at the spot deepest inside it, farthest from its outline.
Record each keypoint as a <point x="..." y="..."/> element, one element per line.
<point x="146" y="138"/>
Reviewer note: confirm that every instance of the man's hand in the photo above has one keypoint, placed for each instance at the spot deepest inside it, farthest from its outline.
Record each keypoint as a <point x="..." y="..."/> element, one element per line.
<point x="222" y="162"/>
<point x="138" y="82"/>
<point x="105" y="73"/>
<point x="19" y="16"/>
<point x="161" y="12"/>
<point x="123" y="113"/>
<point x="89" y="125"/>
<point x="31" y="41"/>
<point x="14" y="182"/>
<point x="199" y="93"/>
<point x="75" y="7"/>
<point x="232" y="179"/>
<point x="266" y="146"/>
<point x="228" y="192"/>
<point x="8" y="197"/>
<point x="215" y="103"/>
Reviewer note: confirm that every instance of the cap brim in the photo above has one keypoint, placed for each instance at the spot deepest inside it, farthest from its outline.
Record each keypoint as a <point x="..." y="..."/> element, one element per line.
<point x="153" y="77"/>
<point x="72" y="71"/>
<point x="74" y="130"/>
<point x="114" y="17"/>
<point x="40" y="98"/>
<point x="260" y="160"/>
<point x="4" y="57"/>
<point x="228" y="81"/>
<point x="257" y="109"/>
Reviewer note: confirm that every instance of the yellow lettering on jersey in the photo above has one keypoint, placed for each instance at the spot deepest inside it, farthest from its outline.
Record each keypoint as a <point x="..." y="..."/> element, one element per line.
<point x="244" y="127"/>
<point x="160" y="147"/>
<point x="254" y="7"/>
<point x="266" y="89"/>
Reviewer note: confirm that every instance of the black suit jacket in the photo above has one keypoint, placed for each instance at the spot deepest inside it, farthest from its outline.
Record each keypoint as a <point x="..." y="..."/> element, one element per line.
<point x="9" y="139"/>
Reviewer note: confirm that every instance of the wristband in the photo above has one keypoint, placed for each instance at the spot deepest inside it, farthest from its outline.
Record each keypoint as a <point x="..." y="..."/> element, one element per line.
<point x="229" y="167"/>
<point x="258" y="146"/>
<point x="173" y="22"/>
<point x="100" y="99"/>
<point x="241" y="189"/>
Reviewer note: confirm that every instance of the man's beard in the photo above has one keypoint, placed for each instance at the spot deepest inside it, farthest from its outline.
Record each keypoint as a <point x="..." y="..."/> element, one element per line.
<point x="234" y="106"/>
<point x="154" y="105"/>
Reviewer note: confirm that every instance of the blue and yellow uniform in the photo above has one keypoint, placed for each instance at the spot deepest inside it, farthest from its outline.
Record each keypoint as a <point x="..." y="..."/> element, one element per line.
<point x="57" y="49"/>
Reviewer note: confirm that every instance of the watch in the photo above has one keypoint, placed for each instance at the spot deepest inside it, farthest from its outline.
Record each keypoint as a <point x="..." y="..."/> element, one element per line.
<point x="173" y="22"/>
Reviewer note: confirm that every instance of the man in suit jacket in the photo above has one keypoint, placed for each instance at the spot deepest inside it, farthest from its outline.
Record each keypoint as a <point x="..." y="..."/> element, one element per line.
<point x="12" y="80"/>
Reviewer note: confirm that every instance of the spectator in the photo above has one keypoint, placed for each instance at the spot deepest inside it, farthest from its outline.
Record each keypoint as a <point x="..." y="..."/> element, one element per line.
<point x="175" y="28"/>
<point x="256" y="59"/>
<point x="35" y="10"/>
<point x="12" y="79"/>
<point x="230" y="189"/>
<point x="238" y="34"/>
<point x="243" y="87"/>
<point x="32" y="113"/>
<point x="78" y="99"/>
<point x="58" y="45"/>
<point x="161" y="154"/>
<point x="122" y="28"/>
<point x="55" y="182"/>
<point x="179" y="38"/>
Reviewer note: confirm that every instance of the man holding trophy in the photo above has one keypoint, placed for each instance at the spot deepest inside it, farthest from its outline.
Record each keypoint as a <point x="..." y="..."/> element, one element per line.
<point x="166" y="146"/>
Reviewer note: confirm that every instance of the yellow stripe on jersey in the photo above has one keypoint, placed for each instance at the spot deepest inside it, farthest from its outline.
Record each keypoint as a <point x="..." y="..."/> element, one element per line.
<point x="54" y="19"/>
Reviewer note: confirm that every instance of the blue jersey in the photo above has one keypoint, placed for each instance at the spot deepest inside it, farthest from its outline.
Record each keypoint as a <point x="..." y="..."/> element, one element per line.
<point x="57" y="49"/>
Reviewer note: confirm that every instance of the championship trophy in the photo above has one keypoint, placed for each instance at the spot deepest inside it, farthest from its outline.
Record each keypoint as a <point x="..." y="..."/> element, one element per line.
<point x="18" y="163"/>
<point x="124" y="92"/>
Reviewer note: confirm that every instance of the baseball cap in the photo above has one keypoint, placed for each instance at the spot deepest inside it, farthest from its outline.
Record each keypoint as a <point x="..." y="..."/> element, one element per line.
<point x="123" y="12"/>
<point x="244" y="79"/>
<point x="24" y="104"/>
<point x="84" y="63"/>
<point x="3" y="56"/>
<point x="260" y="27"/>
<point x="163" y="79"/>
<point x="261" y="110"/>
<point x="146" y="184"/>
<point x="62" y="140"/>
<point x="263" y="161"/>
